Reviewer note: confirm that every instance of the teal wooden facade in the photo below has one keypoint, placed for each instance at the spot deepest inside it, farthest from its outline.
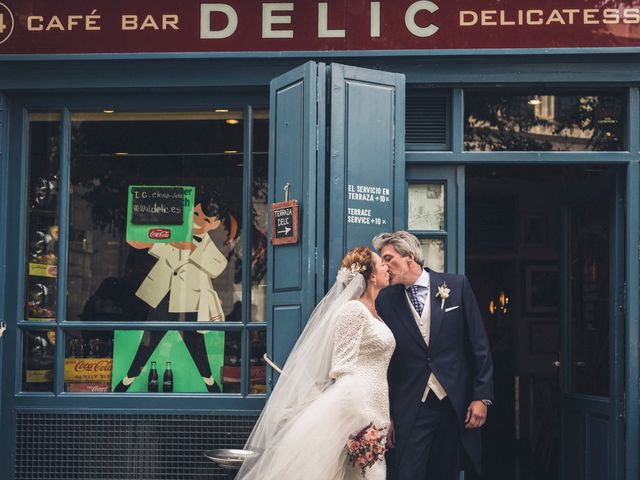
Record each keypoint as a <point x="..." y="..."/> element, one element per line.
<point x="161" y="82"/>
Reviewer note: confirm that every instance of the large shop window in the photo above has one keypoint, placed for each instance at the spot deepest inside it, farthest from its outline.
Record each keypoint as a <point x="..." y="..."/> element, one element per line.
<point x="544" y="121"/>
<point x="166" y="225"/>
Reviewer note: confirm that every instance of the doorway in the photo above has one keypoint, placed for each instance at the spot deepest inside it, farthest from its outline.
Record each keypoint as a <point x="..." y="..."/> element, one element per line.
<point x="544" y="254"/>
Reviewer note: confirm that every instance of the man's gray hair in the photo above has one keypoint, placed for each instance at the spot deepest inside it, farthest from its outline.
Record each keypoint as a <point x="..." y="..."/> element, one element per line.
<point x="405" y="244"/>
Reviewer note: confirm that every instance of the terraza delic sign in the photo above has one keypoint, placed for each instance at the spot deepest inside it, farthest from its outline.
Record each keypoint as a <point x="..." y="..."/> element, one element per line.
<point x="284" y="222"/>
<point x="144" y="26"/>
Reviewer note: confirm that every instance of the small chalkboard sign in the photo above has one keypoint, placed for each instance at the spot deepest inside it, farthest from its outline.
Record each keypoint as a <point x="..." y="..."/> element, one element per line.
<point x="284" y="222"/>
<point x="157" y="205"/>
<point x="160" y="214"/>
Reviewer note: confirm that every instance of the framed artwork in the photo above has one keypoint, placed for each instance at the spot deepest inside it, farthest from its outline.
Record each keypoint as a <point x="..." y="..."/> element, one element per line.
<point x="540" y="288"/>
<point x="544" y="336"/>
<point x="533" y="230"/>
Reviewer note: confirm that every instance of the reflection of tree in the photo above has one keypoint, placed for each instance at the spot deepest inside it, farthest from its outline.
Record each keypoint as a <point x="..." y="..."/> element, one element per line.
<point x="496" y="122"/>
<point x="100" y="183"/>
<point x="509" y="122"/>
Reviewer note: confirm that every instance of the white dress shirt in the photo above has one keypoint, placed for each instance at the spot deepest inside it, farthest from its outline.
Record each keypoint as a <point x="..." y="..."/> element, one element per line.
<point x="424" y="325"/>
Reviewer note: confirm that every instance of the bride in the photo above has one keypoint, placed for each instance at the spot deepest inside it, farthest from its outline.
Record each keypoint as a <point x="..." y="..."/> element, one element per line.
<point x="333" y="384"/>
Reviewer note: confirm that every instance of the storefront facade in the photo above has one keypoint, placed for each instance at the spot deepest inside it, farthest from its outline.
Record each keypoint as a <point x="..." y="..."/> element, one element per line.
<point x="507" y="138"/>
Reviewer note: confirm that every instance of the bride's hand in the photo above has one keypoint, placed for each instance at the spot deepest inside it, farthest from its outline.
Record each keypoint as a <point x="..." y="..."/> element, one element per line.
<point x="391" y="436"/>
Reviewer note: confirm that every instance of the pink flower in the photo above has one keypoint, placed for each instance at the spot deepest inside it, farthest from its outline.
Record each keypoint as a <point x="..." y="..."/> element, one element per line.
<point x="371" y="436"/>
<point x="366" y="446"/>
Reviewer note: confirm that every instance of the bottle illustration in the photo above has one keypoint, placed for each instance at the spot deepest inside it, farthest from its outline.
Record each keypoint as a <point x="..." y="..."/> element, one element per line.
<point x="152" y="385"/>
<point x="167" y="379"/>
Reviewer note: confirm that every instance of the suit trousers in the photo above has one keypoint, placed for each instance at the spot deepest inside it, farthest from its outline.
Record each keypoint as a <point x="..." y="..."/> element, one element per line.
<point x="431" y="451"/>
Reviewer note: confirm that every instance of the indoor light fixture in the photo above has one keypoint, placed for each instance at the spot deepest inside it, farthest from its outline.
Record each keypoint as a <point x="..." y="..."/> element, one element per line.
<point x="108" y="111"/>
<point x="536" y="100"/>
<point x="232" y="121"/>
<point x="221" y="110"/>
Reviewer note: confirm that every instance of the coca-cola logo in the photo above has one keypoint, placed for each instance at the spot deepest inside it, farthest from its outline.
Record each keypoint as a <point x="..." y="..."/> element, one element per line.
<point x="159" y="233"/>
<point x="93" y="366"/>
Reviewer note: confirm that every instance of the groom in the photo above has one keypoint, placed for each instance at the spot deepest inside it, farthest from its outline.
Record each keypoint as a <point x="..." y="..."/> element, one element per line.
<point x="440" y="376"/>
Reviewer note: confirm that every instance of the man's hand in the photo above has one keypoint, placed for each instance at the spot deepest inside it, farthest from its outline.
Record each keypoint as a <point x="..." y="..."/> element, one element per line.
<point x="391" y="436"/>
<point x="476" y="414"/>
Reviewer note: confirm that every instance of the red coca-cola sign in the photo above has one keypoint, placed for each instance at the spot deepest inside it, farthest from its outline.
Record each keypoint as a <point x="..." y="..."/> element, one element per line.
<point x="159" y="233"/>
<point x="122" y="26"/>
<point x="105" y="365"/>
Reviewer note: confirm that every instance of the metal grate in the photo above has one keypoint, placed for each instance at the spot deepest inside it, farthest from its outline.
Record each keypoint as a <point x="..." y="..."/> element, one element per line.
<point x="122" y="447"/>
<point x="427" y="121"/>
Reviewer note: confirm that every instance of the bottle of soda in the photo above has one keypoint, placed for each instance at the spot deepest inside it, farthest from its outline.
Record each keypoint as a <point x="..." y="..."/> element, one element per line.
<point x="167" y="379"/>
<point x="152" y="385"/>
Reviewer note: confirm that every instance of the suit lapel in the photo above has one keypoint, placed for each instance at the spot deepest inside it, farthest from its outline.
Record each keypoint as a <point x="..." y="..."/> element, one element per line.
<point x="437" y="313"/>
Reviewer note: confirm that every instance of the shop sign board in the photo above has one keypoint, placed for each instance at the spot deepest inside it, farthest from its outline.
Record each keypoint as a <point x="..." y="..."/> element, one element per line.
<point x="160" y="214"/>
<point x="162" y="26"/>
<point x="284" y="222"/>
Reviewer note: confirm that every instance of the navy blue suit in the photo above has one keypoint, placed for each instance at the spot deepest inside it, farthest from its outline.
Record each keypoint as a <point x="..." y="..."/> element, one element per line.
<point x="458" y="354"/>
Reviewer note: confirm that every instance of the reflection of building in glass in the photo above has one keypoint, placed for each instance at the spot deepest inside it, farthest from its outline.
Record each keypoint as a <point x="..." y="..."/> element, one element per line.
<point x="563" y="122"/>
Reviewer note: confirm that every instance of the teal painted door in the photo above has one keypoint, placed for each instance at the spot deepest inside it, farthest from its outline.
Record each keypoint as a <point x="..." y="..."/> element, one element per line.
<point x="591" y="361"/>
<point x="337" y="140"/>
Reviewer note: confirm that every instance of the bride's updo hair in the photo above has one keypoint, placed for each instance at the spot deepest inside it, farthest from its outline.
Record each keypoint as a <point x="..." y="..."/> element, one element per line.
<point x="359" y="259"/>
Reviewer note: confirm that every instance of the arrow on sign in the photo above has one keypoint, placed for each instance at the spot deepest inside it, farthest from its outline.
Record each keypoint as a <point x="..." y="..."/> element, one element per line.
<point x="285" y="231"/>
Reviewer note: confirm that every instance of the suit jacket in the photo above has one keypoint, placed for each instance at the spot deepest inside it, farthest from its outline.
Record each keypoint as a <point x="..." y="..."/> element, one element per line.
<point x="458" y="354"/>
<point x="186" y="276"/>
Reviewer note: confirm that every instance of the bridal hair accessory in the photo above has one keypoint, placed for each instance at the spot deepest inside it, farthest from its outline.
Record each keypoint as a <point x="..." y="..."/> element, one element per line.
<point x="354" y="268"/>
<point x="443" y="293"/>
<point x="366" y="447"/>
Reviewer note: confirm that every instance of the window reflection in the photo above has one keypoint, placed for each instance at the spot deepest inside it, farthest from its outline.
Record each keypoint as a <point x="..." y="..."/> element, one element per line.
<point x="259" y="212"/>
<point x="426" y="206"/>
<point x="38" y="354"/>
<point x="111" y="276"/>
<point x="135" y="361"/>
<point x="257" y="371"/>
<point x="433" y="250"/>
<point x="42" y="247"/>
<point x="544" y="122"/>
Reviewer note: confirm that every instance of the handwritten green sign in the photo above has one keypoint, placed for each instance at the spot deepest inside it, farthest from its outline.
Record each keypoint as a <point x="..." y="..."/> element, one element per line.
<point x="160" y="214"/>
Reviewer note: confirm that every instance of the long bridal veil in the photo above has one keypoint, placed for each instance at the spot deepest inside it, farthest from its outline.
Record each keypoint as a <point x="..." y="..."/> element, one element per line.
<point x="305" y="424"/>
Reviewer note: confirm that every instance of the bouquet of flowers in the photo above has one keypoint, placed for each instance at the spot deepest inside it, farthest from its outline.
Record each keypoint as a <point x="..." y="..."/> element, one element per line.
<point x="366" y="447"/>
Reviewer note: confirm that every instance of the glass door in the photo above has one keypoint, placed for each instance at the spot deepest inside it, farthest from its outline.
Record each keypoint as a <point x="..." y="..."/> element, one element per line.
<point x="592" y="316"/>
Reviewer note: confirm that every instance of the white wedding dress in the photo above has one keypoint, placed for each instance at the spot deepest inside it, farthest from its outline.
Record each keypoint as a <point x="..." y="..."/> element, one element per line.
<point x="309" y="443"/>
<point x="362" y="350"/>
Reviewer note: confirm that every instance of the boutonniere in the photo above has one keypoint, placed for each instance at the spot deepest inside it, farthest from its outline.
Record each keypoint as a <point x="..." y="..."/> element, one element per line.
<point x="443" y="293"/>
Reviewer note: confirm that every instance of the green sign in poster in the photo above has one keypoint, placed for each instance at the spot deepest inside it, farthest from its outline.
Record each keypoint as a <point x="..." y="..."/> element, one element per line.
<point x="160" y="214"/>
<point x="172" y="348"/>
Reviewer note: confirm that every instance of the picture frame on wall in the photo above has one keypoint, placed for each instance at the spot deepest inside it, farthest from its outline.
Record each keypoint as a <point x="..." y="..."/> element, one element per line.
<point x="533" y="230"/>
<point x="544" y="336"/>
<point x="540" y="288"/>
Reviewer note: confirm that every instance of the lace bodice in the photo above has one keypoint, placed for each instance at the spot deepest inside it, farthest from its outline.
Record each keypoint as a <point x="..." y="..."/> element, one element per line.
<point x="363" y="346"/>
